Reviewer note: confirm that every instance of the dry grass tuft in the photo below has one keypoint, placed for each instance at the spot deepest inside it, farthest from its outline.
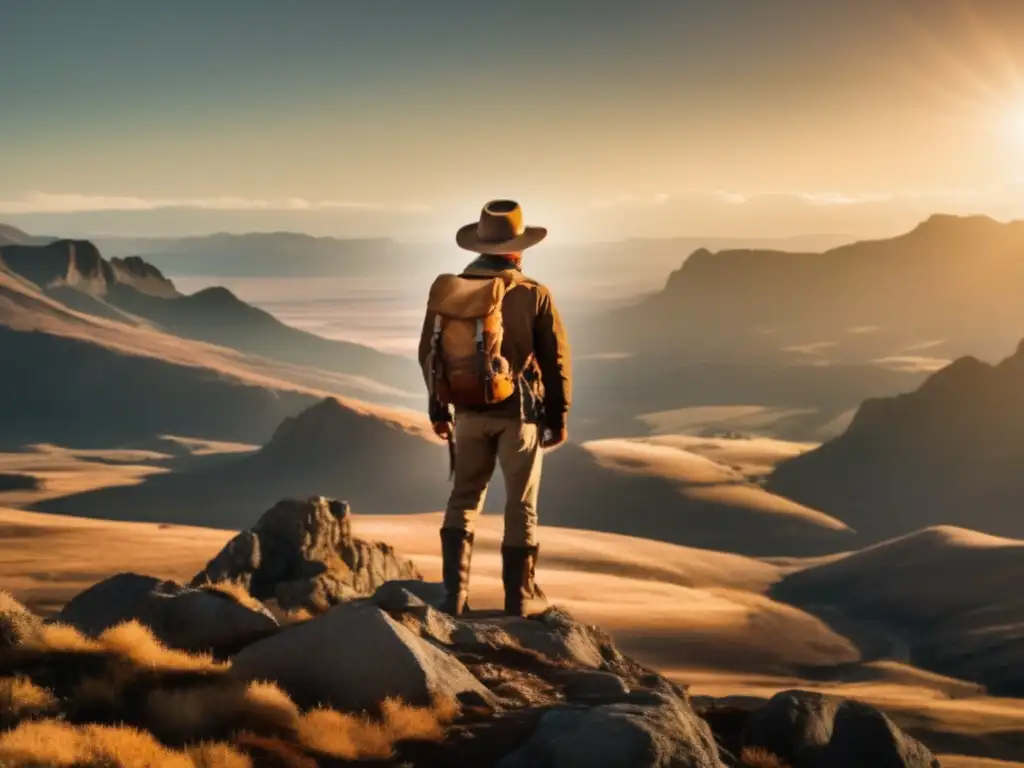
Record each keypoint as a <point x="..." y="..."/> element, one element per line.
<point x="58" y="744"/>
<point x="20" y="699"/>
<point x="343" y="736"/>
<point x="405" y="723"/>
<point x="53" y="743"/>
<point x="236" y="591"/>
<point x="217" y="710"/>
<point x="161" y="698"/>
<point x="759" y="757"/>
<point x="130" y="641"/>
<point x="134" y="642"/>
<point x="218" y="755"/>
<point x="351" y="737"/>
<point x="59" y="638"/>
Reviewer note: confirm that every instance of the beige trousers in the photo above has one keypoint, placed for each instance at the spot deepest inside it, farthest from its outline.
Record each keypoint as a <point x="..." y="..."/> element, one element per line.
<point x="483" y="440"/>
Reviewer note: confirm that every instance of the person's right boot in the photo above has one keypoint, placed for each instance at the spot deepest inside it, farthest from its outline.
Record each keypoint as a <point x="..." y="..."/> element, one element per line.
<point x="456" y="554"/>
<point x="523" y="597"/>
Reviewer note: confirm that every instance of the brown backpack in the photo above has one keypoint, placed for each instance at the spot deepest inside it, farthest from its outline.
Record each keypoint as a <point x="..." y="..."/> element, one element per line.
<point x="465" y="366"/>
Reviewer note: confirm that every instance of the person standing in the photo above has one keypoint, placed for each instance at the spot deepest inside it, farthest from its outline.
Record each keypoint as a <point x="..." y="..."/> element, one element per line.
<point x="497" y="365"/>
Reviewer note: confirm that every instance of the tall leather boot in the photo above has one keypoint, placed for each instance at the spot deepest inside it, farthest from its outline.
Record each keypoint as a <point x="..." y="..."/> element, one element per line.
<point x="523" y="597"/>
<point x="456" y="553"/>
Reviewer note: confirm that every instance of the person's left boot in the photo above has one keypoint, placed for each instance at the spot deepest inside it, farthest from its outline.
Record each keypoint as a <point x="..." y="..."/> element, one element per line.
<point x="456" y="554"/>
<point x="523" y="596"/>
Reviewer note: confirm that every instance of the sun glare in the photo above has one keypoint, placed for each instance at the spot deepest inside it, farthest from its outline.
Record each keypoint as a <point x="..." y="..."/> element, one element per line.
<point x="1014" y="127"/>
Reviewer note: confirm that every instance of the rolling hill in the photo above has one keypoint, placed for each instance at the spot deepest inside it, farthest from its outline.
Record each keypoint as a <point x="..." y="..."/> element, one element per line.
<point x="77" y="378"/>
<point x="944" y="598"/>
<point x="947" y="453"/>
<point x="386" y="466"/>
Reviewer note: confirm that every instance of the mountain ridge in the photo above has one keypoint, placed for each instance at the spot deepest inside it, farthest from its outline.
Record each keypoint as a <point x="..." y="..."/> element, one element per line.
<point x="133" y="291"/>
<point x="947" y="452"/>
<point x="850" y="301"/>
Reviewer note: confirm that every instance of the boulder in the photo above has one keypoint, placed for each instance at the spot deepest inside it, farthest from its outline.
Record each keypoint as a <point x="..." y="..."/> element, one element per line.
<point x="107" y="603"/>
<point x="533" y="662"/>
<point x="653" y="730"/>
<point x="302" y="554"/>
<point x="237" y="562"/>
<point x="179" y="617"/>
<point x="409" y="593"/>
<point x="592" y="685"/>
<point x="16" y="621"/>
<point x="553" y="635"/>
<point x="353" y="658"/>
<point x="813" y="730"/>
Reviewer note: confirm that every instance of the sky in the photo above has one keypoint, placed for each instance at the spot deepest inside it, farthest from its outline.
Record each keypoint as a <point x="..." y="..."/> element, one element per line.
<point x="649" y="118"/>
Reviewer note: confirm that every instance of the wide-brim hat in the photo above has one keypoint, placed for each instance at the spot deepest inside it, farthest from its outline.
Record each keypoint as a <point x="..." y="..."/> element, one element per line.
<point x="499" y="230"/>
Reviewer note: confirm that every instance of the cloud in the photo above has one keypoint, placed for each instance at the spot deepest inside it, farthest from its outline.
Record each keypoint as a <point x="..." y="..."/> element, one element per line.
<point x="740" y="213"/>
<point x="813" y="198"/>
<point x="47" y="202"/>
<point x="839" y="198"/>
<point x="632" y="200"/>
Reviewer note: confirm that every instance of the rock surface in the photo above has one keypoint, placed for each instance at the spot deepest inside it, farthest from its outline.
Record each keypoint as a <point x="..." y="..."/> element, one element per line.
<point x="302" y="554"/>
<point x="813" y="730"/>
<point x="409" y="593"/>
<point x="546" y="691"/>
<point x="553" y="636"/>
<point x="645" y="730"/>
<point x="180" y="617"/>
<point x="353" y="658"/>
<point x="568" y="697"/>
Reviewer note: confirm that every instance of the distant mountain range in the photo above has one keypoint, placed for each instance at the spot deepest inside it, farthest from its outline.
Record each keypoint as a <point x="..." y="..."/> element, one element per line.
<point x="270" y="254"/>
<point x="80" y="379"/>
<point x="628" y="266"/>
<point x="13" y="236"/>
<point x="616" y="395"/>
<point x="133" y="291"/>
<point x="949" y="287"/>
<point x="950" y="452"/>
<point x="108" y="352"/>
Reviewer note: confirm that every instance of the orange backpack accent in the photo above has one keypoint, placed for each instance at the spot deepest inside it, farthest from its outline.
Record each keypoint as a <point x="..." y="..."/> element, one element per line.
<point x="465" y="366"/>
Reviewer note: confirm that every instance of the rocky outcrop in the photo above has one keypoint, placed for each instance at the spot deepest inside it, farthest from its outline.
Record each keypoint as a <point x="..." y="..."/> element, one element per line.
<point x="180" y="617"/>
<point x="365" y="658"/>
<point x="62" y="263"/>
<point x="650" y="729"/>
<point x="78" y="264"/>
<point x="143" y="277"/>
<point x="545" y="691"/>
<point x="302" y="554"/>
<point x="812" y="730"/>
<point x="562" y="695"/>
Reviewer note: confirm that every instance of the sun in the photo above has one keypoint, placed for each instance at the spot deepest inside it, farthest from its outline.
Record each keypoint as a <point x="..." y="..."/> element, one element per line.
<point x="1015" y="123"/>
<point x="1013" y="127"/>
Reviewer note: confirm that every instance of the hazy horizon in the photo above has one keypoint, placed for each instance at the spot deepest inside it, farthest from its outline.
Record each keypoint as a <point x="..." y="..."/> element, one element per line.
<point x="667" y="118"/>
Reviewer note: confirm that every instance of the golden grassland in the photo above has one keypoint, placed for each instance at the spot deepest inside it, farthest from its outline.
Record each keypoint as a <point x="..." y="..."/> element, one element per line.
<point x="123" y="699"/>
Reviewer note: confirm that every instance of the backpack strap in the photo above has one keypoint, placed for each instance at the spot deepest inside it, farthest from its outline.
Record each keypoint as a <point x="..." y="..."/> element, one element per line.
<point x="437" y="360"/>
